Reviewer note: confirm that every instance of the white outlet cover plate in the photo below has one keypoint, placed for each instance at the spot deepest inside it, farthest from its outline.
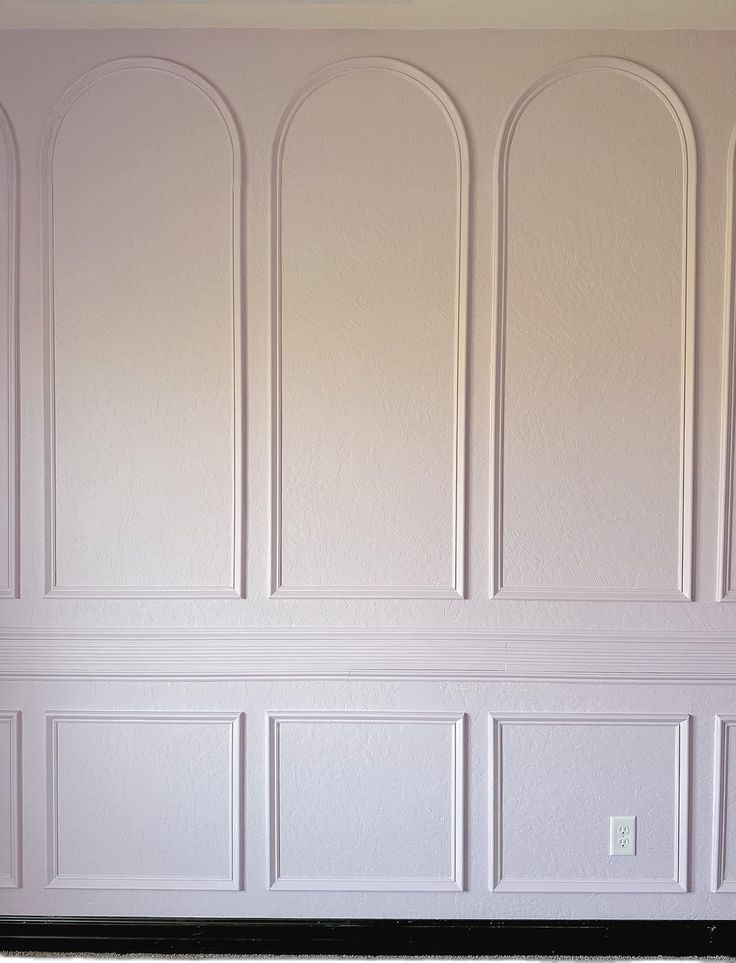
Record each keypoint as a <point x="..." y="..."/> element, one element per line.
<point x="623" y="836"/>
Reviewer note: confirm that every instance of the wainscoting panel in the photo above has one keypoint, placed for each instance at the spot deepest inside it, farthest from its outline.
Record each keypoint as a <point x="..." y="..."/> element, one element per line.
<point x="374" y="798"/>
<point x="367" y="801"/>
<point x="142" y="168"/>
<point x="144" y="800"/>
<point x="593" y="407"/>
<point x="369" y="337"/>
<point x="10" y="799"/>
<point x="556" y="780"/>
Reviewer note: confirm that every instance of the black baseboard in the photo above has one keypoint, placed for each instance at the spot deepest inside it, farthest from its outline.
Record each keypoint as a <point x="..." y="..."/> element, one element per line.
<point x="318" y="937"/>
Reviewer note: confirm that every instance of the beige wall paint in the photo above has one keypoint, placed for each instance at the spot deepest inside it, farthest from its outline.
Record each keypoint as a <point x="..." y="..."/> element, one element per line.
<point x="372" y="14"/>
<point x="599" y="249"/>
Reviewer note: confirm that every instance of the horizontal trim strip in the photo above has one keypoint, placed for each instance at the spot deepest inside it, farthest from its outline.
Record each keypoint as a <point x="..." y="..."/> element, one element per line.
<point x="364" y="592"/>
<point x="337" y="884"/>
<point x="228" y="654"/>
<point x="142" y="592"/>
<point x="589" y="886"/>
<point x="521" y="593"/>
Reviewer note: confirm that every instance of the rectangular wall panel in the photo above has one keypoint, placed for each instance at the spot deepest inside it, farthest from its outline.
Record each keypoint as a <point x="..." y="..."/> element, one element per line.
<point x="366" y="801"/>
<point x="555" y="782"/>
<point x="147" y="800"/>
<point x="10" y="799"/>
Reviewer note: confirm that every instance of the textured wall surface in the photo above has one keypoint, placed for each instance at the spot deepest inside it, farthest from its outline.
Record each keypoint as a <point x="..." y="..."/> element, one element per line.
<point x="141" y="255"/>
<point x="366" y="473"/>
<point x="595" y="290"/>
<point x="372" y="259"/>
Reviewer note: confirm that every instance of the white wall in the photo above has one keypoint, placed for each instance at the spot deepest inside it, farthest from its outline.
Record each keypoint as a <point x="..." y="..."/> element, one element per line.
<point x="369" y="474"/>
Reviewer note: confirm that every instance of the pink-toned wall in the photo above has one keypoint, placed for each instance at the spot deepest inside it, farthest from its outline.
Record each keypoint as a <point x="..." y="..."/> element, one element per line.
<point x="367" y="454"/>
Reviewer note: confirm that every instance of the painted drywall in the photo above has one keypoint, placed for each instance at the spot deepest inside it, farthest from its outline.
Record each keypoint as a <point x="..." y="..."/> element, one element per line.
<point x="368" y="473"/>
<point x="370" y="14"/>
<point x="367" y="798"/>
<point x="151" y="247"/>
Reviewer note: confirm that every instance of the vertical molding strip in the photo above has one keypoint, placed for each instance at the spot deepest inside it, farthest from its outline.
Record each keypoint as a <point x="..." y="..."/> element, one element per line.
<point x="443" y="101"/>
<point x="719" y="882"/>
<point x="63" y="105"/>
<point x="684" y="589"/>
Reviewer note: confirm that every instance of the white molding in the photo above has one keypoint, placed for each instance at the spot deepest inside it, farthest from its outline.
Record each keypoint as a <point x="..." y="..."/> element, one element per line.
<point x="12" y="589"/>
<point x="684" y="588"/>
<point x="679" y="881"/>
<point x="363" y="592"/>
<point x="14" y="879"/>
<point x="454" y="883"/>
<point x="719" y="882"/>
<point x="68" y="98"/>
<point x="591" y="595"/>
<point x="724" y="590"/>
<point x="235" y="723"/>
<point x="445" y="104"/>
<point x="142" y="592"/>
<point x="604" y="656"/>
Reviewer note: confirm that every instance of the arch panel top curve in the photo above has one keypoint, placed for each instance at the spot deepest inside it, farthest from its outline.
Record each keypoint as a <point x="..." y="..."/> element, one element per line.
<point x="142" y="183"/>
<point x="594" y="308"/>
<point x="369" y="300"/>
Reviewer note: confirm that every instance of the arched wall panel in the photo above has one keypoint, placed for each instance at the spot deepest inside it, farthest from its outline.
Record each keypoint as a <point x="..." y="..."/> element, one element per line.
<point x="726" y="591"/>
<point x="144" y="450"/>
<point x="369" y="274"/>
<point x="592" y="419"/>
<point x="9" y="409"/>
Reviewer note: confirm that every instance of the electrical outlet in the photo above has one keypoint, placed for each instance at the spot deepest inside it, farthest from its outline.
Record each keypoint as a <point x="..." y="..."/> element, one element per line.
<point x="623" y="836"/>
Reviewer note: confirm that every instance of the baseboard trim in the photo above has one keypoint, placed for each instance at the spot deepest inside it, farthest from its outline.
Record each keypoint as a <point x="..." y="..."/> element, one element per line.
<point x="370" y="937"/>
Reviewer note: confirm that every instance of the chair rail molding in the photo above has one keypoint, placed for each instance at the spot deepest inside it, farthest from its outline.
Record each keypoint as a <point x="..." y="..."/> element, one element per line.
<point x="684" y="589"/>
<point x="359" y="653"/>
